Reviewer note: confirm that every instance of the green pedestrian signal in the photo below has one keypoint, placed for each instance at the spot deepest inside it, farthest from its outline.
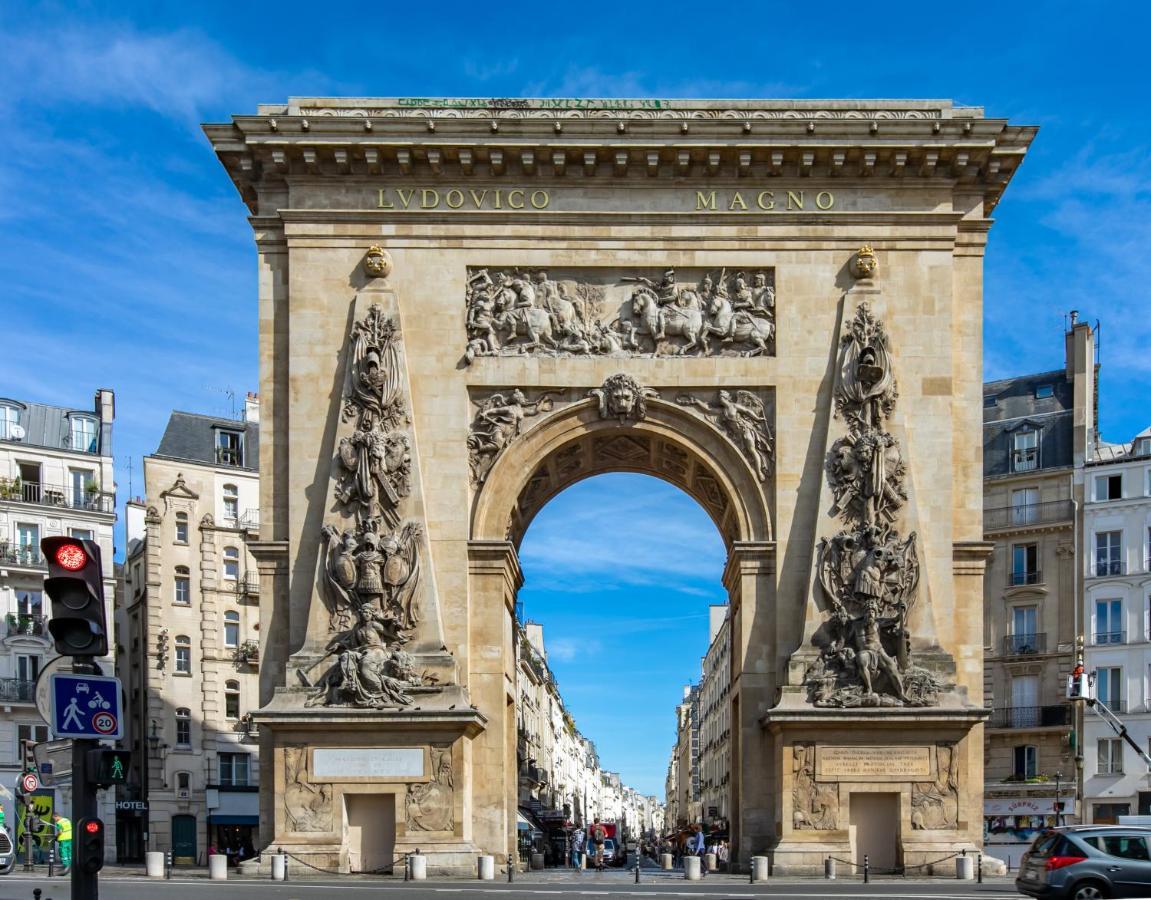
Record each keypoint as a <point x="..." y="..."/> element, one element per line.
<point x="108" y="767"/>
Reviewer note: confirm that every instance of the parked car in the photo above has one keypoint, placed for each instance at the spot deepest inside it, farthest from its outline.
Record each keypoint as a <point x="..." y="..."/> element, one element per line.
<point x="1086" y="862"/>
<point x="7" y="852"/>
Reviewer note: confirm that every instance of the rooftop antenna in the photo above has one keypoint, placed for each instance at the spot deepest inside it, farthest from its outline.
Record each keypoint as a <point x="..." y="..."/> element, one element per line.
<point x="130" y="494"/>
<point x="231" y="394"/>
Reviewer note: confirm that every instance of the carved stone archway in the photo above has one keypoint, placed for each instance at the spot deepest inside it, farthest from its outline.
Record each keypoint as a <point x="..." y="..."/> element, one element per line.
<point x="676" y="445"/>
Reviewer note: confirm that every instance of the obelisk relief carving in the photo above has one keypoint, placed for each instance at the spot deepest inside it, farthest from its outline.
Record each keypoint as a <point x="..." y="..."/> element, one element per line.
<point x="373" y="576"/>
<point x="868" y="572"/>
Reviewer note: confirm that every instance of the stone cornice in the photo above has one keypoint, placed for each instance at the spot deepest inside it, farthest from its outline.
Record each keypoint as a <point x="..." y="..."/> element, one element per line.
<point x="685" y="139"/>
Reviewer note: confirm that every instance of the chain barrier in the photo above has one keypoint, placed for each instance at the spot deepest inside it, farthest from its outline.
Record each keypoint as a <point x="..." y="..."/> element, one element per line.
<point x="897" y="871"/>
<point x="383" y="870"/>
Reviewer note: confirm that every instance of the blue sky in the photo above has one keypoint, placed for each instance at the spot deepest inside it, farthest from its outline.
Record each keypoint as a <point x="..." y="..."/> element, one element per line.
<point x="126" y="259"/>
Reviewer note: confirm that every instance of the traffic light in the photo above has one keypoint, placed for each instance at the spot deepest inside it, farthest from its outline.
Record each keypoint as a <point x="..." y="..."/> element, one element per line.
<point x="75" y="584"/>
<point x="108" y="767"/>
<point x="89" y="851"/>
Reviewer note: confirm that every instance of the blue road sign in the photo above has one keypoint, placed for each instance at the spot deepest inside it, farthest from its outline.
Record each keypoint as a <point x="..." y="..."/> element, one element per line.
<point x="86" y="706"/>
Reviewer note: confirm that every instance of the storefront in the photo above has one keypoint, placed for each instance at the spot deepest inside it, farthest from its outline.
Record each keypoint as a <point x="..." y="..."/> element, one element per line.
<point x="1011" y="824"/>
<point x="233" y="821"/>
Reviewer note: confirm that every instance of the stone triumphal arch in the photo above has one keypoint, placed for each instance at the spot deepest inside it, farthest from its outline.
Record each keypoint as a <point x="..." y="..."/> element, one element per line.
<point x="468" y="305"/>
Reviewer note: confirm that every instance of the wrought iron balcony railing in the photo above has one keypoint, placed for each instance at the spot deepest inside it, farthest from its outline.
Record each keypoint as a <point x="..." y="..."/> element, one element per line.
<point x="26" y="624"/>
<point x="1023" y="644"/>
<point x="1016" y="579"/>
<point x="1110" y="637"/>
<point x="1104" y="567"/>
<point x="1004" y="517"/>
<point x="21" y="555"/>
<point x="36" y="493"/>
<point x="17" y="690"/>
<point x="1031" y="716"/>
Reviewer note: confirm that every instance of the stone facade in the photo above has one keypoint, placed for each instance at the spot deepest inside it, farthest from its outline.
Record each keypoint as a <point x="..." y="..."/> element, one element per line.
<point x="189" y="640"/>
<point x="1037" y="431"/>
<point x="867" y="219"/>
<point x="56" y="478"/>
<point x="715" y="724"/>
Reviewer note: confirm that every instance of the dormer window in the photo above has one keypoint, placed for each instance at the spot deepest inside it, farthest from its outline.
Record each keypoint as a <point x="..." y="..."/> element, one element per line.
<point x="1025" y="451"/>
<point x="84" y="434"/>
<point x="1044" y="391"/>
<point x="229" y="448"/>
<point x="10" y="427"/>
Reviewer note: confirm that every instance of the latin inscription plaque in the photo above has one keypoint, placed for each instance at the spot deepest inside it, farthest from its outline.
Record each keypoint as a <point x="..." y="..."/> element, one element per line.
<point x="873" y="763"/>
<point x="341" y="763"/>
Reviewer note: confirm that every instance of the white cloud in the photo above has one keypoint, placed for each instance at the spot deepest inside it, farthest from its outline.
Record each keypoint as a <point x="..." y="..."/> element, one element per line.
<point x="566" y="649"/>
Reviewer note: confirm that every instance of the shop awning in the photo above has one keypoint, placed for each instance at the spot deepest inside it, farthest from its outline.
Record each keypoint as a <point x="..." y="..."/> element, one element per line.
<point x="525" y="821"/>
<point x="233" y="820"/>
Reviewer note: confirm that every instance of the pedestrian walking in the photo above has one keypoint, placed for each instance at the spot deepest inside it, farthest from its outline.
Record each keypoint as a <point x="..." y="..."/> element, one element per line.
<point x="64" y="839"/>
<point x="598" y="836"/>
<point x="697" y="846"/>
<point x="578" y="838"/>
<point x="723" y="853"/>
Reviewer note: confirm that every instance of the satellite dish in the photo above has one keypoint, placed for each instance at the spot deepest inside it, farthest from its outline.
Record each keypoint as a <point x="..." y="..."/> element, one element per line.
<point x="17" y="431"/>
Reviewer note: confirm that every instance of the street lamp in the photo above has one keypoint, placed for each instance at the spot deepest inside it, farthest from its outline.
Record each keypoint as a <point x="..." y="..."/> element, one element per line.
<point x="154" y="740"/>
<point x="1058" y="802"/>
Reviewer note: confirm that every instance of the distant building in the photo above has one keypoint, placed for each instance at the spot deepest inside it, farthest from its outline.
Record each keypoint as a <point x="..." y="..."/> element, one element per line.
<point x="715" y="724"/>
<point x="1037" y="433"/>
<point x="189" y="648"/>
<point x="1117" y="621"/>
<point x="55" y="479"/>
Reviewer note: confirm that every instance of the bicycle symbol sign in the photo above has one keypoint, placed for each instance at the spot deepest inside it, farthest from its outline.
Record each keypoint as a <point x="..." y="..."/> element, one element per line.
<point x="86" y="706"/>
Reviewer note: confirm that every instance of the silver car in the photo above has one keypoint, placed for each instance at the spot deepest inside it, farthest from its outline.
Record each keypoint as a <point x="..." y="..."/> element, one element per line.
<point x="7" y="852"/>
<point x="1086" y="862"/>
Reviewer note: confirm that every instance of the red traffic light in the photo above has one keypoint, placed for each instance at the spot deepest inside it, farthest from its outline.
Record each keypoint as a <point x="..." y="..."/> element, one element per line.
<point x="71" y="557"/>
<point x="92" y="826"/>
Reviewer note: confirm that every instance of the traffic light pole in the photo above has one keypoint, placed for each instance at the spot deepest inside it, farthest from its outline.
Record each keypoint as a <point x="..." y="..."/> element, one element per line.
<point x="85" y="885"/>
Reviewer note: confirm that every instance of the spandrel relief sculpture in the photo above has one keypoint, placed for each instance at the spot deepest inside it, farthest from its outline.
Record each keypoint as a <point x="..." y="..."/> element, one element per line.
<point x="868" y="573"/>
<point x="720" y="313"/>
<point x="815" y="805"/>
<point x="935" y="804"/>
<point x="743" y="418"/>
<point x="308" y="806"/>
<point x="429" y="805"/>
<point x="497" y="422"/>
<point x="371" y="563"/>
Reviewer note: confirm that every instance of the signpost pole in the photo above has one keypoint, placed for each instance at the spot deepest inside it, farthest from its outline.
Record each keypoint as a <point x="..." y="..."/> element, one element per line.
<point x="85" y="885"/>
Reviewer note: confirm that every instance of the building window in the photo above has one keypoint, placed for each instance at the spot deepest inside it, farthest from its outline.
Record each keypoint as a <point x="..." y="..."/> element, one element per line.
<point x="181" y="528"/>
<point x="1109" y="813"/>
<point x="35" y="733"/>
<point x="29" y="603"/>
<point x="1109" y="621"/>
<point x="1025" y="564"/>
<point x="183" y="655"/>
<point x="183" y="586"/>
<point x="231" y="503"/>
<point x="84" y="434"/>
<point x="1109" y="688"/>
<point x="183" y="727"/>
<point x="990" y="400"/>
<point x="1109" y="487"/>
<point x="81" y="534"/>
<point x="229" y="448"/>
<point x="231" y="629"/>
<point x="231" y="563"/>
<point x="10" y="429"/>
<point x="1026" y="761"/>
<point x="232" y="699"/>
<point x="1043" y="391"/>
<point x="1024" y="626"/>
<point x="84" y="488"/>
<point x="1024" y="506"/>
<point x="234" y="769"/>
<point x="27" y="667"/>
<point x="1025" y="451"/>
<point x="1110" y="756"/>
<point x="1109" y="553"/>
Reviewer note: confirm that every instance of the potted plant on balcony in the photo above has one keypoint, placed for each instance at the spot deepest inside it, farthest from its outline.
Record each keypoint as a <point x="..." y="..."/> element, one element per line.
<point x="248" y="652"/>
<point x="91" y="489"/>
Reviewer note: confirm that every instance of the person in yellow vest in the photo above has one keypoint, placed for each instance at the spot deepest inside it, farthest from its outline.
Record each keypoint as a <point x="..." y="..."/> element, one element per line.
<point x="64" y="838"/>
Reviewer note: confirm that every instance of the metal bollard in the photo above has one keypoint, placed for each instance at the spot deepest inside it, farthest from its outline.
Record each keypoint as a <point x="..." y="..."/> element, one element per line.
<point x="511" y="867"/>
<point x="52" y="860"/>
<point x="407" y="867"/>
<point x="866" y="869"/>
<point x="979" y="868"/>
<point x="168" y="864"/>
<point x="36" y="893"/>
<point x="829" y="868"/>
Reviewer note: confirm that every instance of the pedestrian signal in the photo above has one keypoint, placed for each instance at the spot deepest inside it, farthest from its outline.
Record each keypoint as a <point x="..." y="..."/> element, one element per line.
<point x="75" y="584"/>
<point x="108" y="767"/>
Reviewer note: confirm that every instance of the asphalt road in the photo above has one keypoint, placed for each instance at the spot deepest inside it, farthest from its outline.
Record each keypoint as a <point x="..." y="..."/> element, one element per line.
<point x="615" y="884"/>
